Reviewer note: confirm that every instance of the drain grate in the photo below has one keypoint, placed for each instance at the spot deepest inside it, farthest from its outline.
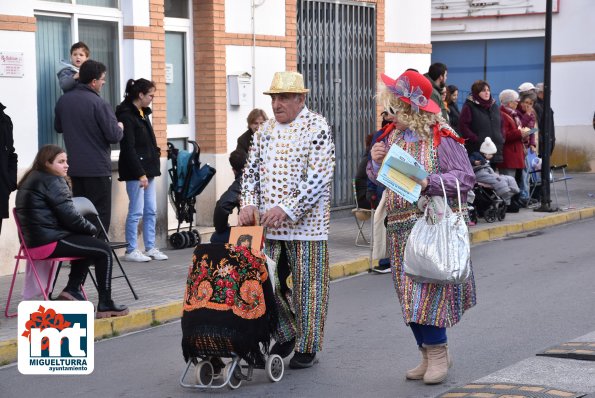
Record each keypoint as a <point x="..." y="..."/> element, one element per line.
<point x="572" y="350"/>
<point x="506" y="390"/>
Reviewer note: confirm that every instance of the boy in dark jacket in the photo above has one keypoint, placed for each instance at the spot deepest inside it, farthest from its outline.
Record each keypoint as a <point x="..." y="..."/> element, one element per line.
<point x="68" y="77"/>
<point x="229" y="200"/>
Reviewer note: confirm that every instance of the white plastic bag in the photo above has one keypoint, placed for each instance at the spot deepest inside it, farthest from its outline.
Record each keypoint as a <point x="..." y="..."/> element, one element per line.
<point x="379" y="246"/>
<point x="31" y="289"/>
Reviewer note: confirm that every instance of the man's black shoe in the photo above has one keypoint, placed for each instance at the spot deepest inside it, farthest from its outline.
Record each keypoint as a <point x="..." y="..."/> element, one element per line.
<point x="283" y="349"/>
<point x="302" y="360"/>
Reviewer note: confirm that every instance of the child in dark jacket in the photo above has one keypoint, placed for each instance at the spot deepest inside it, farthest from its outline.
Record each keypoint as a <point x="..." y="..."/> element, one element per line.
<point x="504" y="185"/>
<point x="68" y="76"/>
<point x="230" y="199"/>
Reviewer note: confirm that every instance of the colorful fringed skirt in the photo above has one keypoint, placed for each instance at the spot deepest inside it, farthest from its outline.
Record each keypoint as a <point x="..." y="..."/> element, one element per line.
<point x="423" y="303"/>
<point x="229" y="305"/>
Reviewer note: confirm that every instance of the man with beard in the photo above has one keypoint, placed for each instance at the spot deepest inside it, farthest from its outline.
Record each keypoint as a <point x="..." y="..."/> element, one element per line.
<point x="437" y="76"/>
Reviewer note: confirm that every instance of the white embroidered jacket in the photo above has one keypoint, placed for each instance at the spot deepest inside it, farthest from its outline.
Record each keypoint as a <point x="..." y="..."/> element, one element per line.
<point x="291" y="166"/>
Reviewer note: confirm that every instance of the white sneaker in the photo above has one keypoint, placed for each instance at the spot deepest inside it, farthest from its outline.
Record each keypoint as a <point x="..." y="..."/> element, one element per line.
<point x="136" y="256"/>
<point x="155" y="254"/>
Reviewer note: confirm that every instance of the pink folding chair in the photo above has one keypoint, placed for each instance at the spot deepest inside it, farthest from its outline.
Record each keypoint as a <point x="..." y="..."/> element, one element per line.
<point x="32" y="255"/>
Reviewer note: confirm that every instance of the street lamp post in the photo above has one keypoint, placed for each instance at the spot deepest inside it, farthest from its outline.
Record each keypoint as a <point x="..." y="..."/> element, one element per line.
<point x="547" y="121"/>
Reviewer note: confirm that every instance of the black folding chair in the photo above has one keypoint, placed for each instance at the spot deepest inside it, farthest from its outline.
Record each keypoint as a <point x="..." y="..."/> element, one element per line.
<point x="86" y="208"/>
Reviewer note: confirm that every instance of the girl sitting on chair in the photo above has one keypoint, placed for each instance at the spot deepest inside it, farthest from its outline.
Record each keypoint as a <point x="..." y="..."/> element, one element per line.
<point x="49" y="222"/>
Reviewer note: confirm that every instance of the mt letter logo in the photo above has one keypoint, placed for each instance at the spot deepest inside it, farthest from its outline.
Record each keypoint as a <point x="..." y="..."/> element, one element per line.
<point x="56" y="337"/>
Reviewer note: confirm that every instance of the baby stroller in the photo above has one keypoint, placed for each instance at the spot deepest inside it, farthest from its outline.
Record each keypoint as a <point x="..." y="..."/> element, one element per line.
<point x="188" y="180"/>
<point x="488" y="204"/>
<point x="229" y="312"/>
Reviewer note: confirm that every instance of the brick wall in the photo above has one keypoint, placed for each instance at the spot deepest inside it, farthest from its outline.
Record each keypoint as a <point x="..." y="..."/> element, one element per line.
<point x="384" y="47"/>
<point x="155" y="33"/>
<point x="210" y="40"/>
<point x="18" y="23"/>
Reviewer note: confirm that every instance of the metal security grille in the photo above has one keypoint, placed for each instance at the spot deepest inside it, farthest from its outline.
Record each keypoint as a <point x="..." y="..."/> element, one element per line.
<point x="336" y="42"/>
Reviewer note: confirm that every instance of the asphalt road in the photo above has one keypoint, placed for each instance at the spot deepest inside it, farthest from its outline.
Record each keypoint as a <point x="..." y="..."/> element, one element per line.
<point x="534" y="291"/>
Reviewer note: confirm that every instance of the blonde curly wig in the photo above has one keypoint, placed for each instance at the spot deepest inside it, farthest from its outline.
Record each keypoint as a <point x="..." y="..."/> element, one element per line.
<point x="420" y="122"/>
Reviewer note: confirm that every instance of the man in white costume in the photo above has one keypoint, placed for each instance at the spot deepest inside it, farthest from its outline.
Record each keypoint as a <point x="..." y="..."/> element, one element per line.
<point x="286" y="183"/>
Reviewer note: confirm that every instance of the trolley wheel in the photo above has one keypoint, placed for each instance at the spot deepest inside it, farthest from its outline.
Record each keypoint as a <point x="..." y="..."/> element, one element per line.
<point x="274" y="368"/>
<point x="490" y="215"/>
<point x="197" y="234"/>
<point x="235" y="381"/>
<point x="177" y="240"/>
<point x="204" y="373"/>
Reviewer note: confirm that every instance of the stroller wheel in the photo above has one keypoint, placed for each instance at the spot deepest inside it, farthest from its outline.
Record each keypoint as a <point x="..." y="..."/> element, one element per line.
<point x="274" y="368"/>
<point x="187" y="238"/>
<point x="197" y="234"/>
<point x="191" y="239"/>
<point x="204" y="373"/>
<point x="177" y="240"/>
<point x="502" y="212"/>
<point x="235" y="379"/>
<point x="490" y="215"/>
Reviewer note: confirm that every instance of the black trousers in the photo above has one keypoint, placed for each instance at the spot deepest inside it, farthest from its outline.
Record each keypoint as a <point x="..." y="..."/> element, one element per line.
<point x="99" y="191"/>
<point x="93" y="249"/>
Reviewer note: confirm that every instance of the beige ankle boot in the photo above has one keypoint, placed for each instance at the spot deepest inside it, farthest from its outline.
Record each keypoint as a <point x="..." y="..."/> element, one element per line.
<point x="419" y="371"/>
<point x="438" y="363"/>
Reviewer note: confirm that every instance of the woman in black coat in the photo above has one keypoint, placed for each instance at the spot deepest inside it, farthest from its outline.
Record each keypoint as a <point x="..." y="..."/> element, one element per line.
<point x="138" y="166"/>
<point x="452" y="95"/>
<point x="8" y="163"/>
<point x="255" y="118"/>
<point x="51" y="224"/>
<point x="480" y="118"/>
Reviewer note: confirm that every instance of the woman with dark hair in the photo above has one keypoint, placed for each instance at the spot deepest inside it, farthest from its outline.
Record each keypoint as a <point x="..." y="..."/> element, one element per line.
<point x="138" y="166"/>
<point x="51" y="225"/>
<point x="480" y="118"/>
<point x="255" y="118"/>
<point x="452" y="95"/>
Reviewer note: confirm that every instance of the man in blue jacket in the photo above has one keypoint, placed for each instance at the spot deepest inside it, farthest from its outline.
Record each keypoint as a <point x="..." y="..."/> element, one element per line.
<point x="89" y="126"/>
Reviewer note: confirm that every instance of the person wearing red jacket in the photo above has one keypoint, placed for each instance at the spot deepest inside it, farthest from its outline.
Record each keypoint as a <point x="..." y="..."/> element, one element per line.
<point x="513" y="151"/>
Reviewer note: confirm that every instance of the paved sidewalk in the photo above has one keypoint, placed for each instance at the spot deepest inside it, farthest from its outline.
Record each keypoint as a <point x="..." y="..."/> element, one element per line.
<point x="160" y="284"/>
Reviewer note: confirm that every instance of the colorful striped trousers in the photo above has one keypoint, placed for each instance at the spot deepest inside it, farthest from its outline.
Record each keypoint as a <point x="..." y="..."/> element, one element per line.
<point x="301" y="291"/>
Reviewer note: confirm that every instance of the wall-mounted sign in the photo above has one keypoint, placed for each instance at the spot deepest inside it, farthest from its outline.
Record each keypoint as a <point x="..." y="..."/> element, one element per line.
<point x="169" y="73"/>
<point x="457" y="9"/>
<point x="11" y="64"/>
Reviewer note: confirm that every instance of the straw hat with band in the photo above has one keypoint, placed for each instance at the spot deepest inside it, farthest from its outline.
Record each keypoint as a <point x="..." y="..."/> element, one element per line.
<point x="287" y="82"/>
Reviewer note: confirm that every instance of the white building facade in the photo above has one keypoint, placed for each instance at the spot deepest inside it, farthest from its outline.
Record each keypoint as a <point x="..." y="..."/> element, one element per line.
<point x="193" y="50"/>
<point x="502" y="42"/>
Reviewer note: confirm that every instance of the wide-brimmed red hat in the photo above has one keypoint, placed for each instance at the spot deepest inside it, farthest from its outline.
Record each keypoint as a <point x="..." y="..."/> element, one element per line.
<point x="414" y="89"/>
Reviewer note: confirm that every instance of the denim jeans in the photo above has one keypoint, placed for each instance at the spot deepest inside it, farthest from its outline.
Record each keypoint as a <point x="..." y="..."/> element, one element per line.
<point x="428" y="334"/>
<point x="143" y="204"/>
